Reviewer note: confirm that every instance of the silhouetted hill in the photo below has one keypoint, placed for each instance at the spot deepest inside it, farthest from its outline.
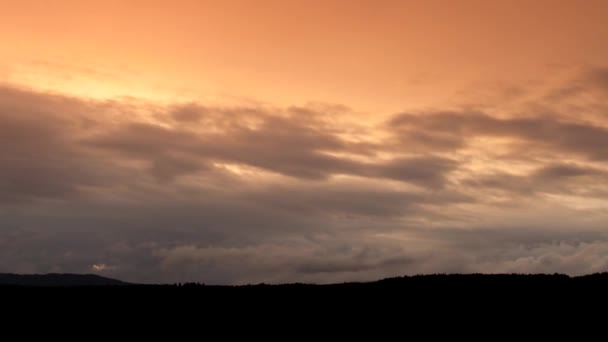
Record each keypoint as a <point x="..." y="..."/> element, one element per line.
<point x="445" y="282"/>
<point x="444" y="295"/>
<point x="56" y="280"/>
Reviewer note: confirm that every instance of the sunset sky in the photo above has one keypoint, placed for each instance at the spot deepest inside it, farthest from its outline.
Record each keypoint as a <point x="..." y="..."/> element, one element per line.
<point x="238" y="141"/>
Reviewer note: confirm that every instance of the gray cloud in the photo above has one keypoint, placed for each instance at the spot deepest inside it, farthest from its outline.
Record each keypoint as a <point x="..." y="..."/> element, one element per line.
<point x="561" y="171"/>
<point x="539" y="132"/>
<point x="38" y="154"/>
<point x="599" y="78"/>
<point x="191" y="192"/>
<point x="188" y="113"/>
<point x="426" y="171"/>
<point x="555" y="178"/>
<point x="290" y="146"/>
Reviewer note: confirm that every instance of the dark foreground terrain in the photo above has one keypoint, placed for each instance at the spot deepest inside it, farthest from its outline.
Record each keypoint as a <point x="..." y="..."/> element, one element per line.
<point x="397" y="303"/>
<point x="407" y="288"/>
<point x="431" y="281"/>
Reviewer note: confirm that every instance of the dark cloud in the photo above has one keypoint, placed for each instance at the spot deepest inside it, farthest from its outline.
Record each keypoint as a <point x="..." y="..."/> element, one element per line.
<point x="561" y="171"/>
<point x="425" y="171"/>
<point x="285" y="145"/>
<point x="553" y="178"/>
<point x="350" y="199"/>
<point x="39" y="157"/>
<point x="192" y="192"/>
<point x="53" y="146"/>
<point x="590" y="83"/>
<point x="188" y="113"/>
<point x="539" y="132"/>
<point x="159" y="253"/>
<point x="599" y="78"/>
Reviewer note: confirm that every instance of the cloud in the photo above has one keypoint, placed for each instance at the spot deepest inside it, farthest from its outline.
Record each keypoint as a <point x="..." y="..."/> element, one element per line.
<point x="38" y="154"/>
<point x="598" y="78"/>
<point x="426" y="171"/>
<point x="551" y="178"/>
<point x="282" y="263"/>
<point x="294" y="146"/>
<point x="188" y="113"/>
<point x="542" y="133"/>
<point x="192" y="192"/>
<point x="561" y="171"/>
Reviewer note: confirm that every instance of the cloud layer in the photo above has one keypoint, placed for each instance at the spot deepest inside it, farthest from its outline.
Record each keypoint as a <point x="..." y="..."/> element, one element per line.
<point x="189" y="192"/>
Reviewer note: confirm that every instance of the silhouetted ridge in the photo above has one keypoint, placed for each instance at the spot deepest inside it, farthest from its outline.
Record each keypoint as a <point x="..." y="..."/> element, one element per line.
<point x="449" y="282"/>
<point x="57" y="279"/>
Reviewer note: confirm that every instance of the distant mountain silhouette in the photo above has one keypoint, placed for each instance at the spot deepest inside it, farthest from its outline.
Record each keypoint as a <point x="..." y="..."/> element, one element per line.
<point x="56" y="280"/>
<point x="481" y="301"/>
<point x="429" y="282"/>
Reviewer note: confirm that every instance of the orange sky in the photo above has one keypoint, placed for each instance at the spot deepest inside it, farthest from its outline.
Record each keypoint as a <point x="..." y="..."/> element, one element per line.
<point x="375" y="56"/>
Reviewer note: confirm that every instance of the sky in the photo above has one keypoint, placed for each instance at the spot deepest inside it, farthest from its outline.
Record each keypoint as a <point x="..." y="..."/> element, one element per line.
<point x="236" y="142"/>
